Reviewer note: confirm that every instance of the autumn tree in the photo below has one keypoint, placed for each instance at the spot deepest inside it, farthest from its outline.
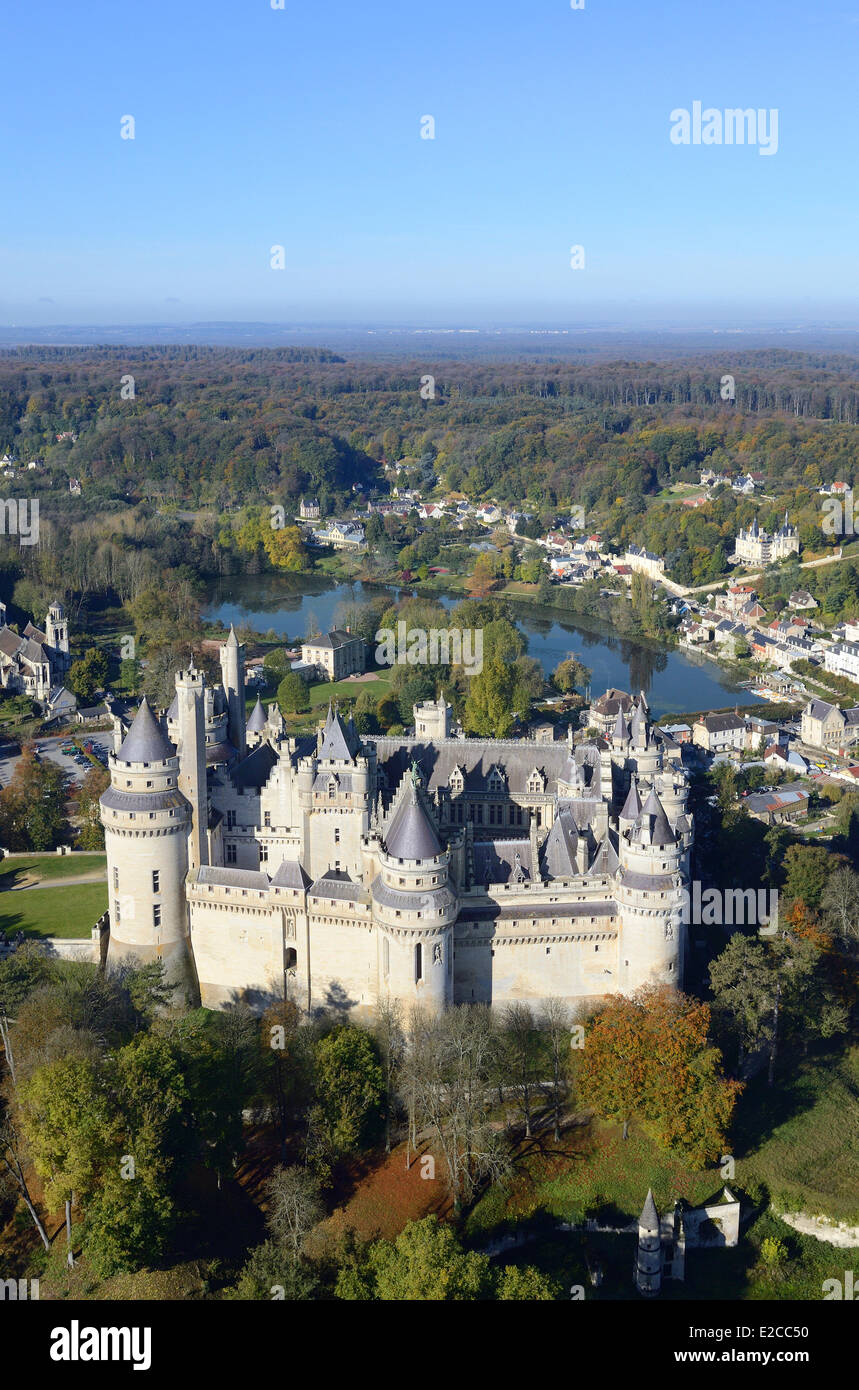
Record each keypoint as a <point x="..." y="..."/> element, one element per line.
<point x="650" y="1055"/>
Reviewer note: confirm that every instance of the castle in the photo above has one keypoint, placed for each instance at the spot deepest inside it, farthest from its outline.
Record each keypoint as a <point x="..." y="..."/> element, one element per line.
<point x="757" y="547"/>
<point x="337" y="870"/>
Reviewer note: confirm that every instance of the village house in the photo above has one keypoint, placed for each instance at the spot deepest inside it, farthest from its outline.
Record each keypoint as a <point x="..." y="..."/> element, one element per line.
<point x="335" y="655"/>
<point x="719" y="733"/>
<point x="777" y="806"/>
<point x="644" y="562"/>
<point x="826" y="726"/>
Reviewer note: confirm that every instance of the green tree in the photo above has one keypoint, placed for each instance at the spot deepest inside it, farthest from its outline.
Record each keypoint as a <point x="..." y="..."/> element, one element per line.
<point x="489" y="703"/>
<point x="292" y="694"/>
<point x="88" y="675"/>
<point x="349" y="1090"/>
<point x="425" y="1263"/>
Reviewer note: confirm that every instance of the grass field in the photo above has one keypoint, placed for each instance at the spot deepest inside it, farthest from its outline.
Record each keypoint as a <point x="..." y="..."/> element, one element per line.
<point x="37" y="867"/>
<point x="808" y="1159"/>
<point x="69" y="912"/>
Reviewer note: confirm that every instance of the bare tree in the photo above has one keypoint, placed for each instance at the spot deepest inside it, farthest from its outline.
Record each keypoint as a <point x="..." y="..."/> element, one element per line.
<point x="521" y="1051"/>
<point x="294" y="1206"/>
<point x="555" y="1021"/>
<point x="391" y="1042"/>
<point x="448" y="1076"/>
<point x="12" y="1168"/>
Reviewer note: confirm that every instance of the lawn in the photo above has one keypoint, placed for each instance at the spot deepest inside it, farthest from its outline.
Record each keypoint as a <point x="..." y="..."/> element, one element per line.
<point x="592" y="1170"/>
<point x="800" y="1142"/>
<point x="70" y="912"/>
<point x="350" y="689"/>
<point x="36" y="867"/>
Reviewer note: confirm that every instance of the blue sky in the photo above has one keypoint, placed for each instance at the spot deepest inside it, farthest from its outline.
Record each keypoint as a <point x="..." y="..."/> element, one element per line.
<point x="301" y="127"/>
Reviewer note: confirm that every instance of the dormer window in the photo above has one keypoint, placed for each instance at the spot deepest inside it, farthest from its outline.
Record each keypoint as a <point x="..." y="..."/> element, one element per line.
<point x="536" y="781"/>
<point x="456" y="781"/>
<point x="497" y="782"/>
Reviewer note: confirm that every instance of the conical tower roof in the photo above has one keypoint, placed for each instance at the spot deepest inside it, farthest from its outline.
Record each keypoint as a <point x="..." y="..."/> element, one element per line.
<point x="256" y="723"/>
<point x="649" y="1217"/>
<point x="232" y="640"/>
<point x="620" y="730"/>
<point x="632" y="806"/>
<point x="654" y="822"/>
<point x="145" y="742"/>
<point x="411" y="834"/>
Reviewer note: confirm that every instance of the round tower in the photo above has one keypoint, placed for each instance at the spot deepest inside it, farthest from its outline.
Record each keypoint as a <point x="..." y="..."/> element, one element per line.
<point x="650" y="900"/>
<point x="414" y="907"/>
<point x="232" y="657"/>
<point x="146" y="823"/>
<point x="648" y="1263"/>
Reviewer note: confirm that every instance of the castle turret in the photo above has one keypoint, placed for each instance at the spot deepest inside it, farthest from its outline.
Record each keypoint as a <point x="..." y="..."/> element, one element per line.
<point x="256" y="725"/>
<point x="191" y="721"/>
<point x="233" y="675"/>
<point x="146" y="823"/>
<point x="414" y="907"/>
<point x="648" y="1263"/>
<point x="650" y="900"/>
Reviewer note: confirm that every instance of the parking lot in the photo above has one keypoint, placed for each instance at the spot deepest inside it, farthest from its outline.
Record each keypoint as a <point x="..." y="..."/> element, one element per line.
<point x="50" y="748"/>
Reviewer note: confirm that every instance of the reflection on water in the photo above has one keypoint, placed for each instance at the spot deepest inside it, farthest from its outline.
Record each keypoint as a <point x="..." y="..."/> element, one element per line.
<point x="673" y="681"/>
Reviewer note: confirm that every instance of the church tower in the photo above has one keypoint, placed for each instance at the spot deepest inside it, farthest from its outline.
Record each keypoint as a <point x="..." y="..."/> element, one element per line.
<point x="146" y="823"/>
<point x="57" y="628"/>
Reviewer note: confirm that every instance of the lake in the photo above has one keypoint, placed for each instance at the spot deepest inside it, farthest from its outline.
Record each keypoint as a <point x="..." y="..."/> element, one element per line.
<point x="673" y="681"/>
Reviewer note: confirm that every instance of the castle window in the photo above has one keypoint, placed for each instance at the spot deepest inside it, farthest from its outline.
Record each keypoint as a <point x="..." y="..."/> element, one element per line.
<point x="116" y="879"/>
<point x="156" y="915"/>
<point x="116" y="913"/>
<point x="419" y="963"/>
<point x="266" y="820"/>
<point x="231" y="854"/>
<point x="386" y="956"/>
<point x="231" y="820"/>
<point x="263" y="854"/>
<point x="156" y="880"/>
<point x="337" y="835"/>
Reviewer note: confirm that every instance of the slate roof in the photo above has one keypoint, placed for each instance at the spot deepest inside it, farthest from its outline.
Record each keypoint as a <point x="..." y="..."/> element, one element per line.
<point x="334" y="883"/>
<point x="477" y="757"/>
<point x="502" y="861"/>
<point x="290" y="874"/>
<point x="224" y="877"/>
<point x="257" y="721"/>
<point x="632" y="805"/>
<point x="655" y="827"/>
<point x="410" y="834"/>
<point x="334" y="639"/>
<point x="649" y="1217"/>
<point x="339" y="741"/>
<point x="145" y="741"/>
<point x="559" y="850"/>
<point x="255" y="770"/>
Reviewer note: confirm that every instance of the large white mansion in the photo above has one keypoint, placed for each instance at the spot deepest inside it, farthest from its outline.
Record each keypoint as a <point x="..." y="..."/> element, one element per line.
<point x="337" y="870"/>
